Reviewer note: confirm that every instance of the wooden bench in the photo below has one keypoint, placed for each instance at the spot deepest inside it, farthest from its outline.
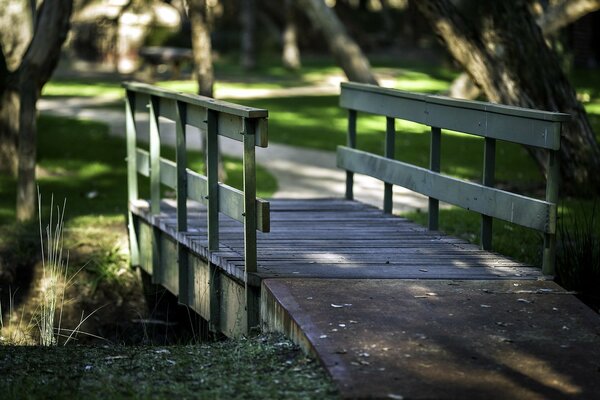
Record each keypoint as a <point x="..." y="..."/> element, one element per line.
<point x="173" y="57"/>
<point x="534" y="128"/>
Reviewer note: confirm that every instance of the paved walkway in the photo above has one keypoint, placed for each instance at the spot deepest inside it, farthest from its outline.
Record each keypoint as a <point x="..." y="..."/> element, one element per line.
<point x="300" y="172"/>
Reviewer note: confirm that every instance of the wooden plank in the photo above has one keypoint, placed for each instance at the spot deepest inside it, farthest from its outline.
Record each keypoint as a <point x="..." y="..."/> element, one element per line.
<point x="206" y="102"/>
<point x="231" y="200"/>
<point x="230" y="126"/>
<point x="387" y="102"/>
<point x="514" y="124"/>
<point x="249" y="180"/>
<point x="496" y="203"/>
<point x="352" y="144"/>
<point x="435" y="154"/>
<point x="489" y="171"/>
<point x="154" y="155"/>
<point x="168" y="109"/>
<point x="549" y="252"/>
<point x="389" y="152"/>
<point x="212" y="179"/>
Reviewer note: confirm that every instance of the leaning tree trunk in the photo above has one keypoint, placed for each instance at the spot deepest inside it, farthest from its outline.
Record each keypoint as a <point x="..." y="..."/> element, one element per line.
<point x="345" y="51"/>
<point x="553" y="19"/>
<point x="522" y="72"/>
<point x="291" y="54"/>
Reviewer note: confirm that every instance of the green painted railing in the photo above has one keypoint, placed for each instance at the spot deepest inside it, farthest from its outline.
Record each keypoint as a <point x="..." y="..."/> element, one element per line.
<point x="534" y="128"/>
<point x="216" y="118"/>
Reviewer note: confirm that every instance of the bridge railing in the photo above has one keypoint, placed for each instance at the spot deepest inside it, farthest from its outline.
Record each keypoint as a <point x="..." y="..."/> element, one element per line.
<point x="216" y="118"/>
<point x="492" y="121"/>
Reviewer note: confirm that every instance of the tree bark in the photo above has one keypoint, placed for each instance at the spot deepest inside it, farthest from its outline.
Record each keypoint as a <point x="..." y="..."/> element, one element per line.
<point x="345" y="51"/>
<point x="291" y="54"/>
<point x="525" y="73"/>
<point x="248" y="33"/>
<point x="201" y="47"/>
<point x="551" y="21"/>
<point x="203" y="64"/>
<point x="564" y="13"/>
<point x="39" y="61"/>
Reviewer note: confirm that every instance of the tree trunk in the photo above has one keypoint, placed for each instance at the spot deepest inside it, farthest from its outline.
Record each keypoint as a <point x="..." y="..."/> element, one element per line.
<point x="38" y="63"/>
<point x="203" y="64"/>
<point x="201" y="47"/>
<point x="248" y="34"/>
<point x="291" y="54"/>
<point x="526" y="73"/>
<point x="551" y="21"/>
<point x="9" y="131"/>
<point x="345" y="51"/>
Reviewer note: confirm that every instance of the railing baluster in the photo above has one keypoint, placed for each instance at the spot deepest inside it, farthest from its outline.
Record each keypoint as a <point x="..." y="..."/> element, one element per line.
<point x="250" y="251"/>
<point x="489" y="172"/>
<point x="249" y="161"/>
<point x="552" y="183"/>
<point x="351" y="144"/>
<point x="212" y="174"/>
<point x="434" y="165"/>
<point x="181" y="163"/>
<point x="390" y="150"/>
<point x="132" y="179"/>
<point x="154" y="156"/>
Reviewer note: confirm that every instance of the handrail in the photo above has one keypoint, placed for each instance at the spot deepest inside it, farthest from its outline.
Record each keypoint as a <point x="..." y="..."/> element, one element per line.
<point x="492" y="121"/>
<point x="216" y="118"/>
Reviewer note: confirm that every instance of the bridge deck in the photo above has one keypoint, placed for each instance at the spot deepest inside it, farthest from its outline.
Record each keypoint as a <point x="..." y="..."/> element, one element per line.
<point x="335" y="238"/>
<point x="390" y="309"/>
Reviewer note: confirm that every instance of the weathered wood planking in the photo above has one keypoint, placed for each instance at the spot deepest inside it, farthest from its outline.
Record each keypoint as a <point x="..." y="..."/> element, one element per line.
<point x="335" y="238"/>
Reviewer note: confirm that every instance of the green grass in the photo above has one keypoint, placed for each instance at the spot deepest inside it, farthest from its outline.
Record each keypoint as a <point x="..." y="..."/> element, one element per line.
<point x="257" y="368"/>
<point x="509" y="239"/>
<point x="79" y="161"/>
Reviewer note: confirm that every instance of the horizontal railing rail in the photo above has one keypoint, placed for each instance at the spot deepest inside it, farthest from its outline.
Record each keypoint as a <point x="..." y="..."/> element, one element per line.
<point x="215" y="118"/>
<point x="534" y="128"/>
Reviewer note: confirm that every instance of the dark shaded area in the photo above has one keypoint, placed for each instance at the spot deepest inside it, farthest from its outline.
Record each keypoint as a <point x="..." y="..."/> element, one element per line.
<point x="446" y="339"/>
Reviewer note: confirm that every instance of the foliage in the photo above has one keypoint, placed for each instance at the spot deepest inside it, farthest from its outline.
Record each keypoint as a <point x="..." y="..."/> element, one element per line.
<point x="265" y="367"/>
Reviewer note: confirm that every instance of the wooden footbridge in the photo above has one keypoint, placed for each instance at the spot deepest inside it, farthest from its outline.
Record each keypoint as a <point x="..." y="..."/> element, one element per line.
<point x="390" y="308"/>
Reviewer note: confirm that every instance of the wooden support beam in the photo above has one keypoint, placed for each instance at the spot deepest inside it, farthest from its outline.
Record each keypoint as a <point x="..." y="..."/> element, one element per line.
<point x="435" y="152"/>
<point x="389" y="151"/>
<point x="489" y="171"/>
<point x="352" y="144"/>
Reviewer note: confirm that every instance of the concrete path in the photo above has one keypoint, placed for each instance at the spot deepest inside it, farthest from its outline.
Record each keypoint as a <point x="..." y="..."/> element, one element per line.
<point x="300" y="172"/>
<point x="443" y="339"/>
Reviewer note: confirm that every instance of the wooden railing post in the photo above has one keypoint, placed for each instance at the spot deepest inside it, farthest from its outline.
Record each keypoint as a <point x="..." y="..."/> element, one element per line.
<point x="250" y="250"/>
<point x="489" y="171"/>
<point x="249" y="178"/>
<point x="212" y="175"/>
<point x="154" y="155"/>
<point x="181" y="192"/>
<point x="132" y="181"/>
<point x="351" y="144"/>
<point x="390" y="150"/>
<point x="434" y="165"/>
<point x="154" y="112"/>
<point x="552" y="183"/>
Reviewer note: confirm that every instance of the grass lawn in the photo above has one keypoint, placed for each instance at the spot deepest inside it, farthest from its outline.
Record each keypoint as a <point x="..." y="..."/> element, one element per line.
<point x="259" y="368"/>
<point x="79" y="161"/>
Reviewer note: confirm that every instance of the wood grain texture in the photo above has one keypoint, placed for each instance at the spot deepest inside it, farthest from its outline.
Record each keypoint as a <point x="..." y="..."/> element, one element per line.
<point x="336" y="238"/>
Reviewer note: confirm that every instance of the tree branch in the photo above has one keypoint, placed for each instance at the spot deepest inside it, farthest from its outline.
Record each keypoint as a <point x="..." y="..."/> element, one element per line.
<point x="42" y="54"/>
<point x="565" y="13"/>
